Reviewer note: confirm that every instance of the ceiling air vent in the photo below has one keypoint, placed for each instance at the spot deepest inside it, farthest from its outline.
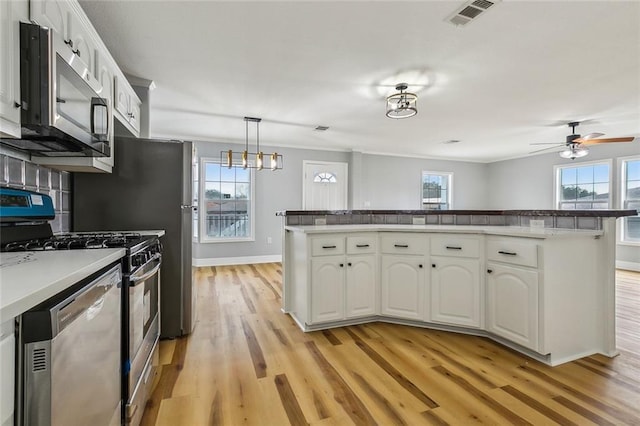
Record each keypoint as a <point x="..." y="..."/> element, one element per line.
<point x="470" y="11"/>
<point x="322" y="128"/>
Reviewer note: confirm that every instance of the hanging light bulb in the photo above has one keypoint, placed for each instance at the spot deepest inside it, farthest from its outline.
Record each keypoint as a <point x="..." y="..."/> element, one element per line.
<point x="230" y="158"/>
<point x="245" y="159"/>
<point x="274" y="161"/>
<point x="259" y="162"/>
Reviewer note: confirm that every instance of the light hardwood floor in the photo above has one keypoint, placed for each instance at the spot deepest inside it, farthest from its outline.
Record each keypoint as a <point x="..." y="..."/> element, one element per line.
<point x="247" y="363"/>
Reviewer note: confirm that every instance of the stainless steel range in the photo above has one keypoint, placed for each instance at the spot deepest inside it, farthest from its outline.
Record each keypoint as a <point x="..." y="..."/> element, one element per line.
<point x="138" y="318"/>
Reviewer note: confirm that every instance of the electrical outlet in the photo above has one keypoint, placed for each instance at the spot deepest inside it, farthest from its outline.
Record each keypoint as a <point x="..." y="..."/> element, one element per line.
<point x="536" y="223"/>
<point x="320" y="221"/>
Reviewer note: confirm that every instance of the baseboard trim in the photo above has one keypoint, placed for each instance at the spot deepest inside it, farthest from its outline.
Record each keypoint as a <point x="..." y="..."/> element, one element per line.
<point x="242" y="260"/>
<point x="630" y="266"/>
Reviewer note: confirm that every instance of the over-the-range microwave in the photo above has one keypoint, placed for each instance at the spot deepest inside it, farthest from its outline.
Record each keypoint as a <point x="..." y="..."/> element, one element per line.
<point x="64" y="109"/>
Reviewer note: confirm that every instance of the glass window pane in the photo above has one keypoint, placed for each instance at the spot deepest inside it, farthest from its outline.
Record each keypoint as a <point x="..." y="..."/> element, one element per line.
<point x="212" y="191"/>
<point x="228" y="174"/>
<point x="212" y="171"/>
<point x="569" y="192"/>
<point x="585" y="174"/>
<point x="632" y="229"/>
<point x="243" y="175"/>
<point x="601" y="192"/>
<point x="601" y="173"/>
<point x="584" y="192"/>
<point x="568" y="176"/>
<point x="242" y="191"/>
<point x="633" y="170"/>
<point x="633" y="190"/>
<point x="228" y="190"/>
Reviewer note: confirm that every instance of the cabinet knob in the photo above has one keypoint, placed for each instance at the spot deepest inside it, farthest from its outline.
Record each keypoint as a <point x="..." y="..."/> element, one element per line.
<point x="420" y="265"/>
<point x="489" y="271"/>
<point x="433" y="265"/>
<point x="349" y="264"/>
<point x="69" y="43"/>
<point x="17" y="104"/>
<point x="342" y="265"/>
<point x="76" y="52"/>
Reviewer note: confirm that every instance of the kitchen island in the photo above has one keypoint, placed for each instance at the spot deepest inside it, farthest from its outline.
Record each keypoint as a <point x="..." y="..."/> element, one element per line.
<point x="548" y="292"/>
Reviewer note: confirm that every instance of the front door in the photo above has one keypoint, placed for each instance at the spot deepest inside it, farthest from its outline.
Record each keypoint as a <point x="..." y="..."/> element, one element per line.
<point x="325" y="185"/>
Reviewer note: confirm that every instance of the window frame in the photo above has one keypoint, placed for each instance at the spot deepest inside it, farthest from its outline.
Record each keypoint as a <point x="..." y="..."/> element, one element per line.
<point x="449" y="176"/>
<point x="622" y="168"/>
<point x="557" y="182"/>
<point x="203" y="238"/>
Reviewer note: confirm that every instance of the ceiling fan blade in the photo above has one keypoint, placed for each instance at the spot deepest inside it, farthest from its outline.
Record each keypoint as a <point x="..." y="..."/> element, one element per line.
<point x="548" y="143"/>
<point x="592" y="135"/>
<point x="544" y="149"/>
<point x="582" y="141"/>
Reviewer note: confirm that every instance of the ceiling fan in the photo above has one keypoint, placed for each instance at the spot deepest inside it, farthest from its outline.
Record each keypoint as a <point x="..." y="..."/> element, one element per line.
<point x="575" y="144"/>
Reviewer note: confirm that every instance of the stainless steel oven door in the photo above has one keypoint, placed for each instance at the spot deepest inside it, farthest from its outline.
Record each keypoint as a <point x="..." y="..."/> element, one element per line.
<point x="144" y="319"/>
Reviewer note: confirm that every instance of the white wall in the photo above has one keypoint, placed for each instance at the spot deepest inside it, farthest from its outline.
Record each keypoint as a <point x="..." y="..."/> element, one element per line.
<point x="527" y="183"/>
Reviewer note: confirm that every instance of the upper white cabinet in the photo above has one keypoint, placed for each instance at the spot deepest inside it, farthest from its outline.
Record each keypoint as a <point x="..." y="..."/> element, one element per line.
<point x="127" y="104"/>
<point x="11" y="13"/>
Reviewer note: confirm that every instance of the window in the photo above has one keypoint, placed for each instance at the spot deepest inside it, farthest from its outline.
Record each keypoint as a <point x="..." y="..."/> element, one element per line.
<point x="583" y="187"/>
<point x="436" y="190"/>
<point x="324" y="177"/>
<point x="226" y="210"/>
<point x="630" y="198"/>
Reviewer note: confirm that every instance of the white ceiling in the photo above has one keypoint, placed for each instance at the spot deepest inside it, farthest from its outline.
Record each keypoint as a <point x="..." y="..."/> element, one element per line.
<point x="510" y="78"/>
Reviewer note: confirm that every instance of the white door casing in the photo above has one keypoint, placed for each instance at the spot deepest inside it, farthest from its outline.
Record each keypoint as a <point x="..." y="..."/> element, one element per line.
<point x="324" y="185"/>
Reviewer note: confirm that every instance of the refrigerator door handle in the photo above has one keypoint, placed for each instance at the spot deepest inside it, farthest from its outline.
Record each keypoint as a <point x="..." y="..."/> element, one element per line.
<point x="187" y="206"/>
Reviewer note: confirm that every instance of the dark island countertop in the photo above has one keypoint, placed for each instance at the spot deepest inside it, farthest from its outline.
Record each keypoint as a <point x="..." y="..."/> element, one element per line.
<point x="575" y="213"/>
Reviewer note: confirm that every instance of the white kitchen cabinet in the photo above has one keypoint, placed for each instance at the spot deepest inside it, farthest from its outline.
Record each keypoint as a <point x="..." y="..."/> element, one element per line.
<point x="512" y="304"/>
<point x="52" y="14"/>
<point x="7" y="372"/>
<point x="11" y="13"/>
<point x="456" y="292"/>
<point x="402" y="286"/>
<point x="126" y="104"/>
<point x="343" y="277"/>
<point x="327" y="289"/>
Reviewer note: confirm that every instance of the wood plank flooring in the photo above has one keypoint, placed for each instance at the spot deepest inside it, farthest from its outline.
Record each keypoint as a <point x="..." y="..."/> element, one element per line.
<point x="247" y="363"/>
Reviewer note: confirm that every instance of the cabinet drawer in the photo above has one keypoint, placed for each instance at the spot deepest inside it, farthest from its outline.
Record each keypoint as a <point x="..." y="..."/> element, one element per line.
<point x="458" y="246"/>
<point x="362" y="244"/>
<point x="516" y="251"/>
<point x="327" y="246"/>
<point x="399" y="243"/>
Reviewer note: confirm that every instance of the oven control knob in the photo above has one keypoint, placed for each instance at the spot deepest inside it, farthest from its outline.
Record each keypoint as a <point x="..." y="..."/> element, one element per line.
<point x="139" y="259"/>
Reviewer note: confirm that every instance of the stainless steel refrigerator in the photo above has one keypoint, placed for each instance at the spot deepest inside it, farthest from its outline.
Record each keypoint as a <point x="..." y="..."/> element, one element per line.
<point x="150" y="188"/>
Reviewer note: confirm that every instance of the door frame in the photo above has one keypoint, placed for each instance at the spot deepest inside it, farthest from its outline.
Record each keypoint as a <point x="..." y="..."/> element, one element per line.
<point x="306" y="163"/>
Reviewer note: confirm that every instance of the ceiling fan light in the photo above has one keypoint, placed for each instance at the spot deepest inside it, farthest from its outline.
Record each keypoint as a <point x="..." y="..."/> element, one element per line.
<point x="402" y="104"/>
<point x="573" y="152"/>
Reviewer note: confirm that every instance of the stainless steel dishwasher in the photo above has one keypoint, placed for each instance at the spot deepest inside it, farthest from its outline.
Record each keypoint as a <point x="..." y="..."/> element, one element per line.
<point x="71" y="355"/>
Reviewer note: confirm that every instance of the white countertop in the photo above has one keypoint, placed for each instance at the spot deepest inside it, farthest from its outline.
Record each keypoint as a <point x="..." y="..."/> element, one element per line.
<point x="31" y="277"/>
<point x="511" y="231"/>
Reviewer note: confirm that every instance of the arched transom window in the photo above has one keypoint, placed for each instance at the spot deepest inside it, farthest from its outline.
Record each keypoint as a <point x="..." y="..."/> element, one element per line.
<point x="324" y="177"/>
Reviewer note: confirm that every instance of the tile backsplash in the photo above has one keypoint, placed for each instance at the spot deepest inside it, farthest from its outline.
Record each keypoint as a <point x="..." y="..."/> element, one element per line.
<point x="17" y="173"/>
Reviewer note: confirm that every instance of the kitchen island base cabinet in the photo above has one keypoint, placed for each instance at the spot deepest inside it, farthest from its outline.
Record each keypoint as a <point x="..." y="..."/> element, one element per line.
<point x="512" y="299"/>
<point x="456" y="296"/>
<point x="360" y="291"/>
<point x="402" y="287"/>
<point x="7" y="372"/>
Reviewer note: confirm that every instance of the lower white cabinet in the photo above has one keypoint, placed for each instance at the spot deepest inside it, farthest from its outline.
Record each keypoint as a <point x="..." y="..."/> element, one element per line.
<point x="7" y="372"/>
<point x="512" y="304"/>
<point x="342" y="287"/>
<point x="456" y="296"/>
<point x="402" y="285"/>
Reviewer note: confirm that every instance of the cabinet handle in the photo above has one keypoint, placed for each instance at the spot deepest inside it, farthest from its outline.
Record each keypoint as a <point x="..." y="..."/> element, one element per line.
<point x="17" y="104"/>
<point x="401" y="245"/>
<point x="328" y="247"/>
<point x="433" y="265"/>
<point x="349" y="264"/>
<point x="76" y="52"/>
<point x="362" y="245"/>
<point x="489" y="271"/>
<point x="508" y="253"/>
<point x="69" y="43"/>
<point x="453" y="248"/>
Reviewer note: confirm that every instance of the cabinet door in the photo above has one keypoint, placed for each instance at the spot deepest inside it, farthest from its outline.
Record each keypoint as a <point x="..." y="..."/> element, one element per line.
<point x="361" y="286"/>
<point x="83" y="45"/>
<point x="402" y="286"/>
<point x="512" y="304"/>
<point x="10" y="15"/>
<point x="105" y="76"/>
<point x="455" y="291"/>
<point x="327" y="289"/>
<point x="134" y="113"/>
<point x="121" y="97"/>
<point x="52" y="14"/>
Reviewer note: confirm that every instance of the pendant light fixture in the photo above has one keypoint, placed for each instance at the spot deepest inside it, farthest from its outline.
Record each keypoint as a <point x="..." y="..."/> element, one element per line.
<point x="242" y="159"/>
<point x="402" y="104"/>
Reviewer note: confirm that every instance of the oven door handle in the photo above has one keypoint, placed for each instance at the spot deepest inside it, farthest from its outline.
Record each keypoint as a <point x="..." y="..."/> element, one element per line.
<point x="136" y="280"/>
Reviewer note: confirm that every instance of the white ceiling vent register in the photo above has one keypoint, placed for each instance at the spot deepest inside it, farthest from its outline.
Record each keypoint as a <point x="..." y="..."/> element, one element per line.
<point x="470" y="11"/>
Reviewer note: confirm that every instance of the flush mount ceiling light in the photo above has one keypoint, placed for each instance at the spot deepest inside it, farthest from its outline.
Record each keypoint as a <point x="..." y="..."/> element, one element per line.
<point x="573" y="151"/>
<point x="402" y="104"/>
<point x="231" y="158"/>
